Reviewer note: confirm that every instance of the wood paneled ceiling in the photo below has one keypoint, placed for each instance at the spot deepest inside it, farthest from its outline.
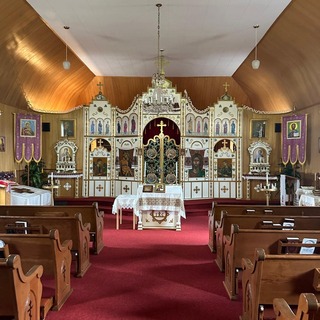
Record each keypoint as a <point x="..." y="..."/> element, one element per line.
<point x="32" y="76"/>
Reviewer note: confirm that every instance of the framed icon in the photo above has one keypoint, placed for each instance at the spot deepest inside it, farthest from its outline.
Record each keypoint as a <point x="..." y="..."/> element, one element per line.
<point x="68" y="129"/>
<point x="258" y="128"/>
<point x="294" y="129"/>
<point x="147" y="188"/>
<point x="28" y="128"/>
<point x="2" y="143"/>
<point x="160" y="187"/>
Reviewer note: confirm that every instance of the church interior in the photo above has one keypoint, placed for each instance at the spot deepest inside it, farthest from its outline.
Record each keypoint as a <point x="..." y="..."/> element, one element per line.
<point x="166" y="110"/>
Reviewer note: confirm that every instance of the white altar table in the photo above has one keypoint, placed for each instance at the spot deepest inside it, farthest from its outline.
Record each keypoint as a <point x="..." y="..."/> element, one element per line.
<point x="160" y="210"/>
<point x="25" y="195"/>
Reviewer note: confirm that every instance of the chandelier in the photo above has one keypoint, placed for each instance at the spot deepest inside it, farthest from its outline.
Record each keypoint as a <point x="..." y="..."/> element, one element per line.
<point x="159" y="98"/>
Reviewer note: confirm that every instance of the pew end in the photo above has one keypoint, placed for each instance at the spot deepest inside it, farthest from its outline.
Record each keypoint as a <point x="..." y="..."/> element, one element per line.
<point x="308" y="308"/>
<point x="20" y="293"/>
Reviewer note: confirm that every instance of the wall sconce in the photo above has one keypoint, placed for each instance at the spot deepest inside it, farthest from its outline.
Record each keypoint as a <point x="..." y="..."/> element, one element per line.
<point x="256" y="63"/>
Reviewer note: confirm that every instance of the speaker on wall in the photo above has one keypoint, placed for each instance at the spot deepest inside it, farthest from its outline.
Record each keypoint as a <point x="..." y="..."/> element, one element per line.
<point x="277" y="127"/>
<point x="46" y="126"/>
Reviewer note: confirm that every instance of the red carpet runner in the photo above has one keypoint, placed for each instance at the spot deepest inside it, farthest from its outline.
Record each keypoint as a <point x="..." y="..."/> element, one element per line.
<point x="151" y="274"/>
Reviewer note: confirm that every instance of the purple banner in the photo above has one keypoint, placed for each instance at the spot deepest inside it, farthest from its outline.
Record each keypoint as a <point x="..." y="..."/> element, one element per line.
<point x="27" y="137"/>
<point x="294" y="138"/>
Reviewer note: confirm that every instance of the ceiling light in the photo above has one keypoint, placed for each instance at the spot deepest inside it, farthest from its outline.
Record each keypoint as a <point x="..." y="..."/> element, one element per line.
<point x="160" y="99"/>
<point x="66" y="63"/>
<point x="256" y="63"/>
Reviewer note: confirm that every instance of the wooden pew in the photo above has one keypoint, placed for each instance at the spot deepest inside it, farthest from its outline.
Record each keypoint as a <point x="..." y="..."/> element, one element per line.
<point x="20" y="293"/>
<point x="308" y="308"/>
<point x="256" y="222"/>
<point x="69" y="228"/>
<point x="218" y="209"/>
<point x="90" y="214"/>
<point x="268" y="276"/>
<point x="46" y="250"/>
<point x="242" y="244"/>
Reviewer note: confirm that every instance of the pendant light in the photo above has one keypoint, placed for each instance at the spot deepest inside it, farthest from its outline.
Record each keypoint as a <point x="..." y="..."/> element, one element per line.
<point x="256" y="63"/>
<point x="66" y="63"/>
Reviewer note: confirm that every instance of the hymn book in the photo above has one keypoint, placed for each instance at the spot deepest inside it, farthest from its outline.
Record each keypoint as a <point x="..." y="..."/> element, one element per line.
<point x="309" y="249"/>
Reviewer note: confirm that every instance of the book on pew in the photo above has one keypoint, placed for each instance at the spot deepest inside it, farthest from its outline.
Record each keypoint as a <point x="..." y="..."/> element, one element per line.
<point x="268" y="211"/>
<point x="20" y="227"/>
<point x="266" y="224"/>
<point x="288" y="224"/>
<point x="292" y="249"/>
<point x="309" y="249"/>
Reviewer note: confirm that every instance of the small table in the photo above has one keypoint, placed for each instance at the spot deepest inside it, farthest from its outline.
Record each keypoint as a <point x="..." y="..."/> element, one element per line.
<point x="124" y="201"/>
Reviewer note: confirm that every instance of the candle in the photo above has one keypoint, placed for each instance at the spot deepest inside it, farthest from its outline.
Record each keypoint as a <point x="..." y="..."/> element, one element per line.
<point x="176" y="169"/>
<point x="267" y="178"/>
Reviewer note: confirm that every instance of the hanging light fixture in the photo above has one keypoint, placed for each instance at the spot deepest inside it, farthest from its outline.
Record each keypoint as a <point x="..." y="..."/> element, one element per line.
<point x="160" y="99"/>
<point x="256" y="63"/>
<point x="66" y="63"/>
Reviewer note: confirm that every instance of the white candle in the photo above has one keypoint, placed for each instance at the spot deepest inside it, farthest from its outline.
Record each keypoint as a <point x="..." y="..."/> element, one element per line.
<point x="176" y="169"/>
<point x="267" y="179"/>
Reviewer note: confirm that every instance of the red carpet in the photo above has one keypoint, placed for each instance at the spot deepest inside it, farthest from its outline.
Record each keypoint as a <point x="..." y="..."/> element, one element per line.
<point x="151" y="274"/>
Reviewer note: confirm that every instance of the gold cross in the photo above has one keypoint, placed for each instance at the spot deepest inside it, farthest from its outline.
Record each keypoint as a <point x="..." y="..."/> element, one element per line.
<point x="226" y="85"/>
<point x="224" y="189"/>
<point x="224" y="143"/>
<point x="100" y="142"/>
<point x="196" y="189"/>
<point x="161" y="125"/>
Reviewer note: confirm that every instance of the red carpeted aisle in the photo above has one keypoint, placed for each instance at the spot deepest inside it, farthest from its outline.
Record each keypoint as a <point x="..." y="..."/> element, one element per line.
<point x="151" y="274"/>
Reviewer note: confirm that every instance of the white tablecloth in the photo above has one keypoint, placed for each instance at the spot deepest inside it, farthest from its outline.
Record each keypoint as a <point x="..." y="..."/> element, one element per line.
<point x="34" y="196"/>
<point x="124" y="201"/>
<point x="309" y="200"/>
<point x="171" y="200"/>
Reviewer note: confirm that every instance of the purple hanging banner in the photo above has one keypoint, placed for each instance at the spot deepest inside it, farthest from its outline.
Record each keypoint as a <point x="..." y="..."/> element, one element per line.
<point x="27" y="137"/>
<point x="294" y="139"/>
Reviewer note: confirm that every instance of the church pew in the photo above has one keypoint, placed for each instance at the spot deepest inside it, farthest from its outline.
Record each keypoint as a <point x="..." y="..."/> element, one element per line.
<point x="90" y="214"/>
<point x="217" y="209"/>
<point x="69" y="228"/>
<point x="54" y="256"/>
<point x="20" y="293"/>
<point x="242" y="244"/>
<point x="256" y="222"/>
<point x="308" y="308"/>
<point x="268" y="276"/>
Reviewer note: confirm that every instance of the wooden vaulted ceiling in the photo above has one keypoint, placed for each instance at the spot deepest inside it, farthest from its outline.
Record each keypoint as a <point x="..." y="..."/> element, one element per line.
<point x="31" y="73"/>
